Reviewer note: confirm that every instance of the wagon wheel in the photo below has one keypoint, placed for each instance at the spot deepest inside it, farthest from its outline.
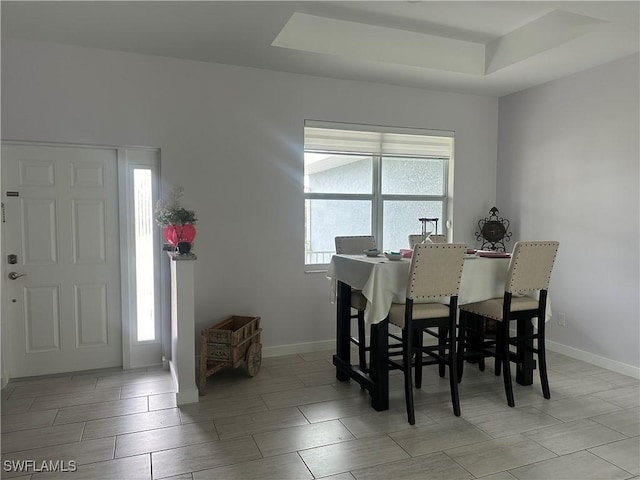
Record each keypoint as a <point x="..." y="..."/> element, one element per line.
<point x="254" y="359"/>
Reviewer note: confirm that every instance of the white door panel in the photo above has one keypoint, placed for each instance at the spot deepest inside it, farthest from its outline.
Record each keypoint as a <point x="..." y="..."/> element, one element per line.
<point x="64" y="314"/>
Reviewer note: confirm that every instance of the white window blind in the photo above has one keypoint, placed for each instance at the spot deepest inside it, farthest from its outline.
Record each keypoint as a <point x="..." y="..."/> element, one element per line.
<point x="419" y="144"/>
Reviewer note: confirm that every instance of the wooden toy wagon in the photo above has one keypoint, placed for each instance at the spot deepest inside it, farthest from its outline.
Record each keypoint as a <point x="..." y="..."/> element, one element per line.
<point x="229" y="343"/>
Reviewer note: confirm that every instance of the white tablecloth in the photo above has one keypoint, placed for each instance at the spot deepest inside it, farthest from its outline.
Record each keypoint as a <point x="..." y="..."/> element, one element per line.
<point x="384" y="282"/>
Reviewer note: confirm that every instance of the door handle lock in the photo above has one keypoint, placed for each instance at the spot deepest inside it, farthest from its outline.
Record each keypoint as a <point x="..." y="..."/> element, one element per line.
<point x="15" y="276"/>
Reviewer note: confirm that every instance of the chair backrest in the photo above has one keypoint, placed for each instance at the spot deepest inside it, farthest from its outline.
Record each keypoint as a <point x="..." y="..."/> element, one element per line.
<point x="416" y="238"/>
<point x="531" y="265"/>
<point x="355" y="244"/>
<point x="436" y="269"/>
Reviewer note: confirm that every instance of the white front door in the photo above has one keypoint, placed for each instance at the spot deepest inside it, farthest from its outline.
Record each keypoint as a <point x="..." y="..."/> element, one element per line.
<point x="63" y="291"/>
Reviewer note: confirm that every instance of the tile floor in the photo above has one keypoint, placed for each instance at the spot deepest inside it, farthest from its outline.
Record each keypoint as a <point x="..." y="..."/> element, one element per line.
<point x="295" y="421"/>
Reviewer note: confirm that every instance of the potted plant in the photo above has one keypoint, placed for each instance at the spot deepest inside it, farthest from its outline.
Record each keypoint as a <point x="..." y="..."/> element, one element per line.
<point x="177" y="221"/>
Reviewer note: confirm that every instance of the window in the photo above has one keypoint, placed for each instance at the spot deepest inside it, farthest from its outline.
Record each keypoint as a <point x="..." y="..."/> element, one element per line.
<point x="145" y="254"/>
<point x="141" y="255"/>
<point x="363" y="180"/>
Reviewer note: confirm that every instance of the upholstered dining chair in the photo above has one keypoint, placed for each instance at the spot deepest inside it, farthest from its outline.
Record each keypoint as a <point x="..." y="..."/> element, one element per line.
<point x="355" y="245"/>
<point x="435" y="274"/>
<point x="415" y="239"/>
<point x="529" y="273"/>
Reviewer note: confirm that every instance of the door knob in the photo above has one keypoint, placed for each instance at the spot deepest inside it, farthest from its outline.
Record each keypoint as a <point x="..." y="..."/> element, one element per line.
<point x="15" y="276"/>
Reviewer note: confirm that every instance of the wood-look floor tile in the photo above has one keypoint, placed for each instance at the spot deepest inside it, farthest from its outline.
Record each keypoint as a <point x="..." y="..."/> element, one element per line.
<point x="352" y="455"/>
<point x="25" y="421"/>
<point x="6" y="392"/>
<point x="302" y="396"/>
<point x="326" y="355"/>
<point x="573" y="436"/>
<point x="80" y="452"/>
<point x="339" y="476"/>
<point x="259" y="422"/>
<point x="41" y="437"/>
<point x="436" y="466"/>
<point x="333" y="409"/>
<point x="493" y="456"/>
<point x="164" y="438"/>
<point x="623" y="453"/>
<point x="130" y="468"/>
<point x="162" y="401"/>
<point x="625" y="421"/>
<point x="575" y="408"/>
<point x="53" y="388"/>
<point x="582" y="465"/>
<point x="16" y="405"/>
<point x="203" y="456"/>
<point x="515" y="420"/>
<point x="281" y="360"/>
<point x="147" y="388"/>
<point x="299" y="368"/>
<point x="438" y="436"/>
<point x="313" y="379"/>
<point x="302" y="437"/>
<point x="591" y="408"/>
<point x="132" y="378"/>
<point x="380" y="423"/>
<point x="288" y="466"/>
<point x="100" y="395"/>
<point x="220" y="408"/>
<point x="81" y="413"/>
<point x="105" y="372"/>
<point x="439" y="407"/>
<point x="259" y="385"/>
<point x="56" y="378"/>
<point x="625" y="397"/>
<point x="575" y="387"/>
<point x="576" y="368"/>
<point x="616" y="379"/>
<point x="136" y="422"/>
<point x="499" y="476"/>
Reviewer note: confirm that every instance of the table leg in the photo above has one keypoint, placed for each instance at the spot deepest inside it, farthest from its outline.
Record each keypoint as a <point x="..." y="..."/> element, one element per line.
<point x="379" y="365"/>
<point x="343" y="327"/>
<point x="524" y="353"/>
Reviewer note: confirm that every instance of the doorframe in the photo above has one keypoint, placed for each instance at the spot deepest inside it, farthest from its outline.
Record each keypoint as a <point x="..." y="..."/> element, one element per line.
<point x="125" y="266"/>
<point x="137" y="354"/>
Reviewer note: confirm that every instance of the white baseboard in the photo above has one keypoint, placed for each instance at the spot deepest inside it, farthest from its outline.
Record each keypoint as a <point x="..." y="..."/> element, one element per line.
<point x="594" y="359"/>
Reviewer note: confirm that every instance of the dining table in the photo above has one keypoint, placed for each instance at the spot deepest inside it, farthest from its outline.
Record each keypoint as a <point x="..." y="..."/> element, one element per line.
<point x="383" y="282"/>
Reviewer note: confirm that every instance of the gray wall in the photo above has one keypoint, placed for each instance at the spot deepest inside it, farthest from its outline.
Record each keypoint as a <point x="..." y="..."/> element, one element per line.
<point x="568" y="169"/>
<point x="233" y="138"/>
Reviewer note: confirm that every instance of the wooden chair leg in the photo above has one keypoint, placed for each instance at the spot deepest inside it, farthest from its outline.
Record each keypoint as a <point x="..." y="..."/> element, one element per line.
<point x="406" y="360"/>
<point x="418" y="342"/>
<point x="506" y="361"/>
<point x="499" y="340"/>
<point x="453" y="370"/>
<point x="480" y="326"/>
<point x="542" y="360"/>
<point x="362" y="342"/>
<point x="462" y="336"/>
<point x="442" y="343"/>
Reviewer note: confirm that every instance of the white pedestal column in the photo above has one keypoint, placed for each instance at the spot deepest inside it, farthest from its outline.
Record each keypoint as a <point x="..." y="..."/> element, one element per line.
<point x="183" y="353"/>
